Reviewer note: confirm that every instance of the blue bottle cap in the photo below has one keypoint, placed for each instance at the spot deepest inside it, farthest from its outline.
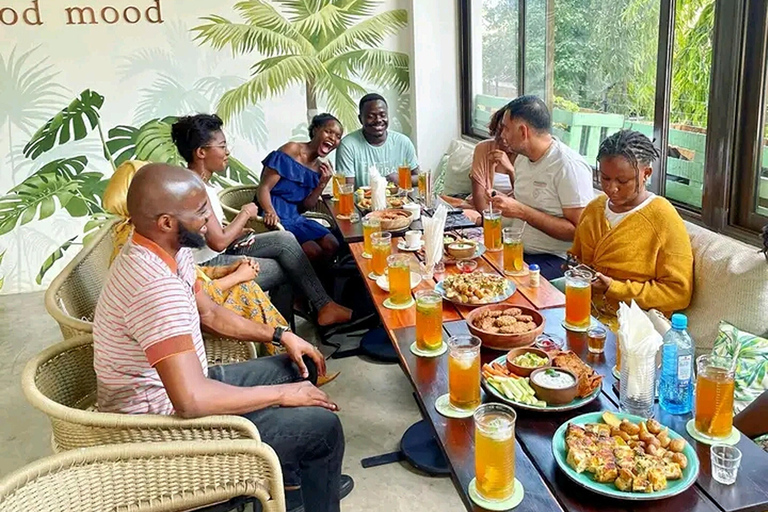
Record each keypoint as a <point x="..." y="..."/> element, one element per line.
<point x="533" y="267"/>
<point x="679" y="321"/>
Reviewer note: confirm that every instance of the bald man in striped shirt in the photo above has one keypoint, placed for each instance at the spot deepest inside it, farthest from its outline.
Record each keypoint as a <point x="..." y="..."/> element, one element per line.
<point x="149" y="355"/>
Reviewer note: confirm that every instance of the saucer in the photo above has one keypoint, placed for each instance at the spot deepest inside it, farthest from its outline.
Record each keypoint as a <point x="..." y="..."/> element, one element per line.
<point x="383" y="281"/>
<point x="401" y="245"/>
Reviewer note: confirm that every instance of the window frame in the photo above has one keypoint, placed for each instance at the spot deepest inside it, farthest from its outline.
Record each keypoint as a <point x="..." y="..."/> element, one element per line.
<point x="738" y="81"/>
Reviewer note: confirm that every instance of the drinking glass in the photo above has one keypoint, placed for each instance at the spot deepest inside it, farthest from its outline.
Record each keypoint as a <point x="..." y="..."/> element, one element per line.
<point x="346" y="203"/>
<point x="422" y="183"/>
<point x="578" y="298"/>
<point x="464" y="371"/>
<point x="337" y="180"/>
<point x="371" y="225"/>
<point x="596" y="340"/>
<point x="512" y="238"/>
<point x="429" y="320"/>
<point x="399" y="267"/>
<point x="725" y="460"/>
<point x="404" y="177"/>
<point x="637" y="385"/>
<point x="495" y="451"/>
<point x="714" y="396"/>
<point x="492" y="230"/>
<point x="381" y="248"/>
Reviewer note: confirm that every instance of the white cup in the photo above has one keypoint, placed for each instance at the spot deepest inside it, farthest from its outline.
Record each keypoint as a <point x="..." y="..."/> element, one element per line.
<point x="412" y="239"/>
<point x="414" y="208"/>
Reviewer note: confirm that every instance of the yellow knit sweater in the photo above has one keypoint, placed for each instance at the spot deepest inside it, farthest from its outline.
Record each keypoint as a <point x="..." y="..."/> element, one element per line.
<point x="647" y="254"/>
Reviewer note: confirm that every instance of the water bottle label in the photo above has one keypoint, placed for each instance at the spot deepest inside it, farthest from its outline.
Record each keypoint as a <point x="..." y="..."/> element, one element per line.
<point x="684" y="367"/>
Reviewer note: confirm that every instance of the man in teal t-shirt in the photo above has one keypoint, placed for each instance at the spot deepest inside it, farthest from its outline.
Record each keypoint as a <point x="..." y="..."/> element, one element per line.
<point x="374" y="145"/>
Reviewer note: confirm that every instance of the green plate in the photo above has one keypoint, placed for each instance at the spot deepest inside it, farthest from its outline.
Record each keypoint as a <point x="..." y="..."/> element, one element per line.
<point x="674" y="487"/>
<point x="575" y="404"/>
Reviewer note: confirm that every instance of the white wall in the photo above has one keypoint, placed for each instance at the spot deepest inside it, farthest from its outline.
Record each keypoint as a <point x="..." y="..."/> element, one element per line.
<point x="435" y="78"/>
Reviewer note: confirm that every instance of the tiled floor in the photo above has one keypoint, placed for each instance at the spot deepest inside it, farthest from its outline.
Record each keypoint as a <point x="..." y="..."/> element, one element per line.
<point x="375" y="400"/>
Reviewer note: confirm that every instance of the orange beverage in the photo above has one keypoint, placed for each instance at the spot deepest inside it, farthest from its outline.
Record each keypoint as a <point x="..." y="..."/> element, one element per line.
<point x="429" y="320"/>
<point x="399" y="279"/>
<point x="371" y="225"/>
<point x="422" y="183"/>
<point x="578" y="299"/>
<point x="337" y="181"/>
<point x="495" y="451"/>
<point x="513" y="258"/>
<point x="714" y="396"/>
<point x="381" y="248"/>
<point x="404" y="177"/>
<point x="464" y="372"/>
<point x="492" y="230"/>
<point x="596" y="340"/>
<point x="346" y="203"/>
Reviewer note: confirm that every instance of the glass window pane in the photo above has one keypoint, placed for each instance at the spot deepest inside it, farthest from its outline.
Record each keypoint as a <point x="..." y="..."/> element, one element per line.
<point x="761" y="205"/>
<point x="691" y="71"/>
<point x="594" y="62"/>
<point x="494" y="58"/>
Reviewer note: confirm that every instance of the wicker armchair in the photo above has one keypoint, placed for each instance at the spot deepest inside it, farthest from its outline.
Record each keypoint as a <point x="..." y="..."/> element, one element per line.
<point x="71" y="299"/>
<point x="154" y="477"/>
<point x="233" y="198"/>
<point x="61" y="382"/>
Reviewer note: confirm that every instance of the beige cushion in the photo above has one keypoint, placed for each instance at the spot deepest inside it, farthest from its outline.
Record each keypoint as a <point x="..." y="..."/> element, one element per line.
<point x="457" y="169"/>
<point x="730" y="283"/>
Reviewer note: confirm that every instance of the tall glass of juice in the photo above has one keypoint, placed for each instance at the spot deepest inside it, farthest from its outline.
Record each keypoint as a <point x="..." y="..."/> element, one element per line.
<point x="404" y="177"/>
<point x="346" y="203"/>
<point x="495" y="451"/>
<point x="714" y="396"/>
<point x="429" y="320"/>
<point x="399" y="266"/>
<point x="381" y="248"/>
<point x="578" y="299"/>
<point x="337" y="180"/>
<point x="421" y="182"/>
<point x="512" y="238"/>
<point x="464" y="372"/>
<point x="492" y="230"/>
<point x="371" y="225"/>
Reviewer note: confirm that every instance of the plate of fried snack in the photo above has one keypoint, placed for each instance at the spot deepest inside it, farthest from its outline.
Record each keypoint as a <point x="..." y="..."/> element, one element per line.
<point x="365" y="203"/>
<point x="475" y="289"/>
<point x="625" y="456"/>
<point x="503" y="327"/>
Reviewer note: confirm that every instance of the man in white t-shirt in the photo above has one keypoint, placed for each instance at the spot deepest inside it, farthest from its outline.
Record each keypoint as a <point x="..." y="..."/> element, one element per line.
<point x="553" y="184"/>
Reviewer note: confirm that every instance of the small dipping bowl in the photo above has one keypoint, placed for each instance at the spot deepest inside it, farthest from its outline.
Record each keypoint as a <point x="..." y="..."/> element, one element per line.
<point x="462" y="250"/>
<point x="525" y="371"/>
<point x="551" y="395"/>
<point x="466" y="266"/>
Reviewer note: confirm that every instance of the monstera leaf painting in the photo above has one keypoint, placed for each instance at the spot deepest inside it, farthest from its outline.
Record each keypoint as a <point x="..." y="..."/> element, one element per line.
<point x="324" y="45"/>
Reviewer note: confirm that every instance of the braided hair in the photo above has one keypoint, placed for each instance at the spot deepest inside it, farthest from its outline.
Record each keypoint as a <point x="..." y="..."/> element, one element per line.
<point x="635" y="147"/>
<point x="319" y="121"/>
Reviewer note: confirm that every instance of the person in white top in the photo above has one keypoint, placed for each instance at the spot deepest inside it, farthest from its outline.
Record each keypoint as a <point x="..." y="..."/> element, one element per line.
<point x="553" y="184"/>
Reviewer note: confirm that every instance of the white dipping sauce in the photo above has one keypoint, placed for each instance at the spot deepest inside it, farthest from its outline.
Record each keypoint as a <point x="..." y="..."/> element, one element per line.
<point x="554" y="379"/>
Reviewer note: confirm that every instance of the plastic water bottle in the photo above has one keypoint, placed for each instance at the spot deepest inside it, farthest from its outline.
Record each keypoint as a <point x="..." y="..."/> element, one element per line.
<point x="676" y="382"/>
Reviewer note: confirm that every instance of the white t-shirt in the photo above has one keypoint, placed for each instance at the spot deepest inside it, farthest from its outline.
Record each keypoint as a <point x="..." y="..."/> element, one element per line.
<point x="206" y="253"/>
<point x="614" y="218"/>
<point x="559" y="179"/>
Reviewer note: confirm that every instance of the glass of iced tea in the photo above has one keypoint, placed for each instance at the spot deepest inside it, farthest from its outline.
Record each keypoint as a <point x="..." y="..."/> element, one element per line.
<point x="596" y="340"/>
<point x="404" y="177"/>
<point x="578" y="299"/>
<point x="421" y="182"/>
<point x="371" y="225"/>
<point x="381" y="248"/>
<point x="429" y="320"/>
<point x="714" y="396"/>
<point x="337" y="180"/>
<point x="346" y="203"/>
<point x="464" y="372"/>
<point x="512" y="238"/>
<point x="492" y="230"/>
<point x="495" y="451"/>
<point x="399" y="268"/>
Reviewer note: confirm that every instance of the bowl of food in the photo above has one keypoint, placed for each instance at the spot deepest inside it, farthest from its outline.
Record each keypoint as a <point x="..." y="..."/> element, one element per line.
<point x="504" y="327"/>
<point x="524" y="360"/>
<point x="448" y="240"/>
<point x="466" y="266"/>
<point x="461" y="250"/>
<point x="556" y="386"/>
<point x="393" y="220"/>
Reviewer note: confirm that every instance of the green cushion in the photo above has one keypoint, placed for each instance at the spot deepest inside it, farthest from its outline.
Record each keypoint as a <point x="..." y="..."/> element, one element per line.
<point x="751" y="354"/>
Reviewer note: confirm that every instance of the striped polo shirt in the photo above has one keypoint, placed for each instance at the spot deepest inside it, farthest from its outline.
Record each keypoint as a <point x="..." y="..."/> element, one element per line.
<point x="146" y="313"/>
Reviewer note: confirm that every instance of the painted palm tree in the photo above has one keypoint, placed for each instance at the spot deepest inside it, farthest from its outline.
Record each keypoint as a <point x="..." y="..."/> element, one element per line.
<point x="324" y="45"/>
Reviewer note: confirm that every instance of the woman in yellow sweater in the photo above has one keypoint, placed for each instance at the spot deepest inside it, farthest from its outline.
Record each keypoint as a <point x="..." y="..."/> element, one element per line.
<point x="635" y="240"/>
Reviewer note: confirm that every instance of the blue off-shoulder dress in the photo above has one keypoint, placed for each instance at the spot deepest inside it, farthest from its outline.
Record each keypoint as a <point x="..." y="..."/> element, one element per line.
<point x="297" y="181"/>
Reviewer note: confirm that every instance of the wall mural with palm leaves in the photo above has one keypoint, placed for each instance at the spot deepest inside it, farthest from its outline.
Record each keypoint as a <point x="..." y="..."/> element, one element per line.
<point x="252" y="62"/>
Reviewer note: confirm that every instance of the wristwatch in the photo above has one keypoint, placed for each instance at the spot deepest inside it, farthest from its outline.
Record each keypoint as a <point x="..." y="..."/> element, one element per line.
<point x="277" y="337"/>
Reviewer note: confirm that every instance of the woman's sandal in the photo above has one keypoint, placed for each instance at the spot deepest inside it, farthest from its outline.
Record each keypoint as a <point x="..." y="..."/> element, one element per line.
<point x="325" y="379"/>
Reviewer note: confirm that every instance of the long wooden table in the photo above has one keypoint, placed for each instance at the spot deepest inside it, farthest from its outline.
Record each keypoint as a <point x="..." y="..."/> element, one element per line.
<point x="546" y="487"/>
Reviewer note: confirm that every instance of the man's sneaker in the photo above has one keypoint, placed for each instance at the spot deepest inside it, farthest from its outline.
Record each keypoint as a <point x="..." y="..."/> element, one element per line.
<point x="345" y="487"/>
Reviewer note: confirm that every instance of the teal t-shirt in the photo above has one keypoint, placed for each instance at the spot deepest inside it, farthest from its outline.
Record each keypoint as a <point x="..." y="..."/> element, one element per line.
<point x="355" y="155"/>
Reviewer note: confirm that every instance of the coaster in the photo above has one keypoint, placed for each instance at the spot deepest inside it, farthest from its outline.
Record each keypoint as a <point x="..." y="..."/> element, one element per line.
<point x="343" y="217"/>
<point x="428" y="353"/>
<point x="389" y="305"/>
<point x="616" y="373"/>
<point x="508" y="504"/>
<point x="569" y="327"/>
<point x="730" y="440"/>
<point x="367" y="256"/>
<point x="444" y="407"/>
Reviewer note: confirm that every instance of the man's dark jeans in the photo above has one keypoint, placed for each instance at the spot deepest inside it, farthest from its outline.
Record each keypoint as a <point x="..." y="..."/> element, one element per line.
<point x="308" y="440"/>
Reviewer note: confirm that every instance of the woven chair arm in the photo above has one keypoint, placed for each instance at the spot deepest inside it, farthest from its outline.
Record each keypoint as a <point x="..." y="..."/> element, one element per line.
<point x="147" y="477"/>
